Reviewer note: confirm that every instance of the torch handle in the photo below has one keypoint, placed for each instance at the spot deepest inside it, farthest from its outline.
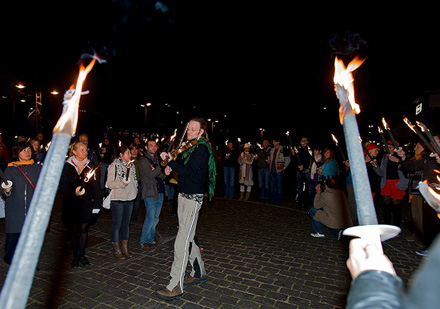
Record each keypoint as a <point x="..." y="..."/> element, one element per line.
<point x="128" y="173"/>
<point x="392" y="138"/>
<point x="385" y="143"/>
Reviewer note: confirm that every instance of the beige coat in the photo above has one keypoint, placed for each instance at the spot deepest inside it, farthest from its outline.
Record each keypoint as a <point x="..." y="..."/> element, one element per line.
<point x="120" y="191"/>
<point x="335" y="212"/>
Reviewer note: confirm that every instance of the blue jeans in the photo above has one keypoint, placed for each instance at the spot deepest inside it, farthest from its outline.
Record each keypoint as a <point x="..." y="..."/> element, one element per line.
<point x="229" y="179"/>
<point x="121" y="215"/>
<point x="153" y="208"/>
<point x="263" y="181"/>
<point x="276" y="186"/>
<point x="317" y="226"/>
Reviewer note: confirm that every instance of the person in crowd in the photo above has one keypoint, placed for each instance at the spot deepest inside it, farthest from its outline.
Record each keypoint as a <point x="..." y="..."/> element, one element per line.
<point x="135" y="156"/>
<point x="246" y="174"/>
<point x="279" y="160"/>
<point x="123" y="184"/>
<point x="196" y="170"/>
<point x="4" y="154"/>
<point x="303" y="155"/>
<point x="43" y="142"/>
<point x="330" y="208"/>
<point x="393" y="185"/>
<point x="329" y="168"/>
<point x="106" y="156"/>
<point x="139" y="145"/>
<point x="315" y="164"/>
<point x="80" y="208"/>
<point x="153" y="190"/>
<point x="91" y="153"/>
<point x="229" y="160"/>
<point x="423" y="166"/>
<point x="23" y="173"/>
<point x="262" y="157"/>
<point x="37" y="154"/>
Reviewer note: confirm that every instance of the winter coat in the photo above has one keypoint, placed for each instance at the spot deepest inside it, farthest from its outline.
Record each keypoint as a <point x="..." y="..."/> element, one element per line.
<point x="79" y="209"/>
<point x="19" y="198"/>
<point x="115" y="182"/>
<point x="335" y="212"/>
<point x="148" y="178"/>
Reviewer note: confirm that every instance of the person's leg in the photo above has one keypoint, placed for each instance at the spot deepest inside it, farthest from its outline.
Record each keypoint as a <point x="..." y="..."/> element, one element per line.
<point x="280" y="177"/>
<point x="10" y="245"/>
<point x="149" y="220"/>
<point x="316" y="225"/>
<point x="125" y="219"/>
<point x="188" y="213"/>
<point x="157" y="209"/>
<point x="117" y="209"/>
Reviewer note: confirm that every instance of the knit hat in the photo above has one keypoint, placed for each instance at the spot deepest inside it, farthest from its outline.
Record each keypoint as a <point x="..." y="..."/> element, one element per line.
<point x="372" y="146"/>
<point x="391" y="143"/>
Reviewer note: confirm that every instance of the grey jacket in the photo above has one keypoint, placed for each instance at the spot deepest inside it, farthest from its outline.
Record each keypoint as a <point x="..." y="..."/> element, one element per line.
<point x="148" y="178"/>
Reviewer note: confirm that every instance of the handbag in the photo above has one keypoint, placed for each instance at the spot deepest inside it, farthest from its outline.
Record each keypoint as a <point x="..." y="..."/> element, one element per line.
<point x="106" y="193"/>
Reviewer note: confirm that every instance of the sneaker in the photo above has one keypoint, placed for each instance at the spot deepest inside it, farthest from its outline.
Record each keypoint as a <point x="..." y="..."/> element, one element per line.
<point x="166" y="294"/>
<point x="193" y="280"/>
<point x="319" y="235"/>
<point x="422" y="252"/>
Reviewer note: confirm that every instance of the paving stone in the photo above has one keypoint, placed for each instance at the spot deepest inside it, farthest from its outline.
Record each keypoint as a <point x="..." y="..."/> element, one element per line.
<point x="257" y="255"/>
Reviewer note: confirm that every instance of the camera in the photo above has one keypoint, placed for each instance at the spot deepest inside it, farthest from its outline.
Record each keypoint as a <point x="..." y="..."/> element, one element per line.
<point x="322" y="179"/>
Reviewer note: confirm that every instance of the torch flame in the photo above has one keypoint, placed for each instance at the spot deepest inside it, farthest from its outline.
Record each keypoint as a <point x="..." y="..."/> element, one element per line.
<point x="335" y="139"/>
<point x="423" y="128"/>
<point x="409" y="124"/>
<point x="174" y="135"/>
<point x="69" y="117"/>
<point x="385" y="124"/>
<point x="344" y="77"/>
<point x="379" y="129"/>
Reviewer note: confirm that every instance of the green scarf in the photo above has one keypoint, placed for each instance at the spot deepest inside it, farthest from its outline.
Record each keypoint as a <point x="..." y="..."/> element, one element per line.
<point x="211" y="163"/>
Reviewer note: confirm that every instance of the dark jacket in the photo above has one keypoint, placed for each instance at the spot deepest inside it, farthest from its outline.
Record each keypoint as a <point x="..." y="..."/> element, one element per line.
<point x="149" y="188"/>
<point x="79" y="209"/>
<point x="229" y="160"/>
<point x="193" y="174"/>
<point x="18" y="201"/>
<point x="427" y="164"/>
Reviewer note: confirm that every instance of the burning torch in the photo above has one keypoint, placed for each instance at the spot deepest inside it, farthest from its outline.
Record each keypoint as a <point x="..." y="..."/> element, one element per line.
<point x="81" y="190"/>
<point x="369" y="229"/>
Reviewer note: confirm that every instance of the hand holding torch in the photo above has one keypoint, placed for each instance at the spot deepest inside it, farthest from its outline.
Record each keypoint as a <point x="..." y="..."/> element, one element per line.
<point x="81" y="190"/>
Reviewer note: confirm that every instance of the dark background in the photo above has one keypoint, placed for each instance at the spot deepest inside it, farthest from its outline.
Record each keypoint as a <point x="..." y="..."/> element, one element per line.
<point x="247" y="64"/>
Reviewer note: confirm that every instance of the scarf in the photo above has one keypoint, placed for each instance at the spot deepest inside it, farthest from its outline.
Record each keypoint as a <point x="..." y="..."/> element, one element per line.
<point x="21" y="163"/>
<point x="121" y="168"/>
<point x="211" y="163"/>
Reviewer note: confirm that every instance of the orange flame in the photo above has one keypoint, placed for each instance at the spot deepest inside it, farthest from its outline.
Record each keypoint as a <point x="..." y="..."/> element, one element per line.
<point x="69" y="117"/>
<point x="409" y="124"/>
<point x="344" y="77"/>
<point x="174" y="135"/>
<point x="89" y="175"/>
<point x="385" y="124"/>
<point x="335" y="139"/>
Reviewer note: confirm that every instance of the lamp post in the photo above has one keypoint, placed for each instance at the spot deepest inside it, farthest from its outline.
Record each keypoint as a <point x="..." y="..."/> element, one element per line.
<point x="146" y="106"/>
<point x="262" y="130"/>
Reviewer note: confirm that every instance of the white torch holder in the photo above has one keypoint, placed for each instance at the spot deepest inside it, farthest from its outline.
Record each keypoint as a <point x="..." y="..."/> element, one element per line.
<point x="373" y="234"/>
<point x="7" y="186"/>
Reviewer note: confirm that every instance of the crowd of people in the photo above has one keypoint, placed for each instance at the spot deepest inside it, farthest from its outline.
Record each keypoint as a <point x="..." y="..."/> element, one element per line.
<point x="134" y="170"/>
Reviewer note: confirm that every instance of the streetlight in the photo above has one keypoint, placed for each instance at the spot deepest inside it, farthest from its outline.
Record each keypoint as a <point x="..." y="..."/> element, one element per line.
<point x="145" y="106"/>
<point x="262" y="130"/>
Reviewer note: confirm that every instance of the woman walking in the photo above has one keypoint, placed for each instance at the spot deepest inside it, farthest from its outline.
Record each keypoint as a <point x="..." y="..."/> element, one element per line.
<point x="82" y="197"/>
<point x="121" y="179"/>
<point x="23" y="174"/>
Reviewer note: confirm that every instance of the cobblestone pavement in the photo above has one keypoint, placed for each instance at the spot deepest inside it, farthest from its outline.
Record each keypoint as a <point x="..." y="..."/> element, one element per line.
<point x="257" y="255"/>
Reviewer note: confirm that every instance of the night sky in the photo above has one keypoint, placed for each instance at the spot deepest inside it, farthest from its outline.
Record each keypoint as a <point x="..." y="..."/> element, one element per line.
<point x="262" y="64"/>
